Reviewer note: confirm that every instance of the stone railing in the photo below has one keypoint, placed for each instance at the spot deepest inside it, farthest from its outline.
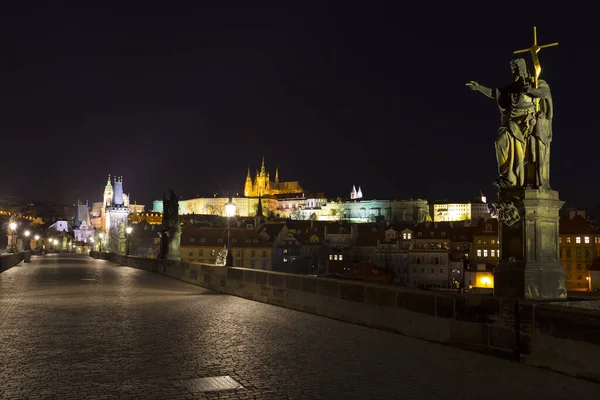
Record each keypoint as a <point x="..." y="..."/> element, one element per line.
<point x="561" y="337"/>
<point x="10" y="260"/>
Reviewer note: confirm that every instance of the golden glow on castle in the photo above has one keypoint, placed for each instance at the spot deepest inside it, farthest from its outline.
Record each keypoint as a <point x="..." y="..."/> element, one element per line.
<point x="263" y="186"/>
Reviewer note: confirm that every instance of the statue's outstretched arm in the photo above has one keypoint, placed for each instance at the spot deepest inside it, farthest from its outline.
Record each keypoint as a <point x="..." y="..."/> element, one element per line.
<point x="489" y="92"/>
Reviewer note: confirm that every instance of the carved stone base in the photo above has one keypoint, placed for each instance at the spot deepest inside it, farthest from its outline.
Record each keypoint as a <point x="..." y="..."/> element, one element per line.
<point x="528" y="234"/>
<point x="518" y="281"/>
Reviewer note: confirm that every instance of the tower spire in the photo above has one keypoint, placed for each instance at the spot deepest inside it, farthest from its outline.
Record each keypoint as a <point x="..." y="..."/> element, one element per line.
<point x="277" y="175"/>
<point x="262" y="167"/>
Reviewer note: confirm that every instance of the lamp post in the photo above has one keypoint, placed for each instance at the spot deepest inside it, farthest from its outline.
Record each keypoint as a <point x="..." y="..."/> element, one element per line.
<point x="26" y="243"/>
<point x="55" y="243"/>
<point x="230" y="212"/>
<point x="13" y="230"/>
<point x="129" y="229"/>
<point x="37" y="237"/>
<point x="101" y="235"/>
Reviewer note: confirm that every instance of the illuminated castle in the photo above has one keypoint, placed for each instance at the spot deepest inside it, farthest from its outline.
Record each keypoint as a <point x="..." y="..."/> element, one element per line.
<point x="263" y="186"/>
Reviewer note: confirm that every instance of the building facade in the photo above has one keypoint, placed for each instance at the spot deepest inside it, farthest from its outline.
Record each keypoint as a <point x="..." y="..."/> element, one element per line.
<point x="263" y="186"/>
<point x="203" y="245"/>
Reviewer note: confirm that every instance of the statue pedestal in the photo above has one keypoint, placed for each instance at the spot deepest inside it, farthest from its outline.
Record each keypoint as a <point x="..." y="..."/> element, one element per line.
<point x="528" y="232"/>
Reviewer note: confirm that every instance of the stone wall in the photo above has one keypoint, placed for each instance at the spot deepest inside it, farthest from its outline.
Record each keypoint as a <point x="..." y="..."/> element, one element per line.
<point x="559" y="337"/>
<point x="10" y="260"/>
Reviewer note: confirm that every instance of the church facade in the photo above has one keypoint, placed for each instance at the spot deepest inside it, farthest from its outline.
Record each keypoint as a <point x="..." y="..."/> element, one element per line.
<point x="263" y="186"/>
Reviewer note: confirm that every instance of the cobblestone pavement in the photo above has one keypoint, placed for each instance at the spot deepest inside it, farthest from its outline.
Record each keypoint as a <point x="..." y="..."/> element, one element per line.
<point x="77" y="328"/>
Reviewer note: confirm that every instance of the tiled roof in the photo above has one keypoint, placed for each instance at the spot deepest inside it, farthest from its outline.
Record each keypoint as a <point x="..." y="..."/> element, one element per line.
<point x="576" y="225"/>
<point x="217" y="237"/>
<point x="369" y="238"/>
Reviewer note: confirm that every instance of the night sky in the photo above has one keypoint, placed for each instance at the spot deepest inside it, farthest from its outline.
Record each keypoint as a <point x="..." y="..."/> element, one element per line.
<point x="368" y="93"/>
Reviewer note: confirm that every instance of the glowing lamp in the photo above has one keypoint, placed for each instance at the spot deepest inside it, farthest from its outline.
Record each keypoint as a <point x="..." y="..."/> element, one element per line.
<point x="101" y="235"/>
<point x="27" y="233"/>
<point x="55" y="242"/>
<point x="37" y="237"/>
<point x="486" y="281"/>
<point x="13" y="226"/>
<point x="230" y="209"/>
<point x="129" y="229"/>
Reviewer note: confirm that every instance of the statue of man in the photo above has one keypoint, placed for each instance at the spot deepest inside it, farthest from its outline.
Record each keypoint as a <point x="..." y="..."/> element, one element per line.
<point x="517" y="128"/>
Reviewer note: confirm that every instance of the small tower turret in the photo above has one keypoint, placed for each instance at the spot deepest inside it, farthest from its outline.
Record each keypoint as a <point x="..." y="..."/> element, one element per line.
<point x="353" y="192"/>
<point x="277" y="175"/>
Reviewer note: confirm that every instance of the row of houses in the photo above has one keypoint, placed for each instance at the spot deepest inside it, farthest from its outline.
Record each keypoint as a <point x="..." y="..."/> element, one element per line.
<point x="429" y="255"/>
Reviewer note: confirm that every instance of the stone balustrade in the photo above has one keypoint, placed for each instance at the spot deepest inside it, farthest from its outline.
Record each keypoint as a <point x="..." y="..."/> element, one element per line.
<point x="561" y="336"/>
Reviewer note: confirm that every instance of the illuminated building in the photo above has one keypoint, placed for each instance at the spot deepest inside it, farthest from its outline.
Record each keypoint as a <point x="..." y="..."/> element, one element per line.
<point x="444" y="211"/>
<point x="429" y="257"/>
<point x="479" y="276"/>
<point x="116" y="212"/>
<point x="98" y="213"/>
<point x="485" y="248"/>
<point x="263" y="186"/>
<point x="354" y="194"/>
<point x="152" y="218"/>
<point x="82" y="227"/>
<point x="249" y="249"/>
<point x="579" y="245"/>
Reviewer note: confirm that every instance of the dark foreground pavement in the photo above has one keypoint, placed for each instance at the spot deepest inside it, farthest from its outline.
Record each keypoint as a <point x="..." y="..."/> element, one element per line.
<point x="77" y="328"/>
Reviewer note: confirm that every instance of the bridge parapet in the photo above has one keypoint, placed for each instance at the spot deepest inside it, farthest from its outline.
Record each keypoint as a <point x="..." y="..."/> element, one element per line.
<point x="560" y="336"/>
<point x="10" y="260"/>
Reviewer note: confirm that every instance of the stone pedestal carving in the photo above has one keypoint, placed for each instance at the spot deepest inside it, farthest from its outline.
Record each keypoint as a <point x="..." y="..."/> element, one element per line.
<point x="528" y="232"/>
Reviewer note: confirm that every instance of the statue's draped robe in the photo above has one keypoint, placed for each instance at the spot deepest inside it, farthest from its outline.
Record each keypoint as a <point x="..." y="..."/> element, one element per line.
<point x="517" y="112"/>
<point x="539" y="144"/>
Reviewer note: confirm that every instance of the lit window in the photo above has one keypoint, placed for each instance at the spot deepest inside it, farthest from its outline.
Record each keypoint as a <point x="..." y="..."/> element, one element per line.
<point x="568" y="239"/>
<point x="284" y="259"/>
<point x="577" y="239"/>
<point x="493" y="253"/>
<point x="478" y="252"/>
<point x="340" y="257"/>
<point x="409" y="235"/>
<point x="586" y="239"/>
<point x="335" y="257"/>
<point x="485" y="252"/>
<point x="559" y="240"/>
<point x="331" y="256"/>
<point x="212" y="252"/>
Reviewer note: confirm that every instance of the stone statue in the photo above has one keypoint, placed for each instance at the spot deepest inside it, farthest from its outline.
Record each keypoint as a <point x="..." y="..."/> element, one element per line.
<point x="171" y="230"/>
<point x="539" y="145"/>
<point x="522" y="144"/>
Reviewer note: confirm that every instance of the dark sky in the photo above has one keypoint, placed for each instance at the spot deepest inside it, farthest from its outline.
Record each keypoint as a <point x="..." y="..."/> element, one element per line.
<point x="334" y="93"/>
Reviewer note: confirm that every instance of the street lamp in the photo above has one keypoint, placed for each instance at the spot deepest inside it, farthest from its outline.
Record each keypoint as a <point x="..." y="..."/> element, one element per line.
<point x="26" y="242"/>
<point x="101" y="235"/>
<point x="36" y="237"/>
<point x="55" y="242"/>
<point x="230" y="212"/>
<point x="13" y="228"/>
<point x="129" y="229"/>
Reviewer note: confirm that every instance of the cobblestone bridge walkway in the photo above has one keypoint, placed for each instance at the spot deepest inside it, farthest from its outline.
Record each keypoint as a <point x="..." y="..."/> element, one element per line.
<point x="78" y="328"/>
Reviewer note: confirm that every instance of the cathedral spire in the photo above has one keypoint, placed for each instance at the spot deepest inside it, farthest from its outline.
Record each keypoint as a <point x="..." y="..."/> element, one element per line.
<point x="262" y="168"/>
<point x="277" y="175"/>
